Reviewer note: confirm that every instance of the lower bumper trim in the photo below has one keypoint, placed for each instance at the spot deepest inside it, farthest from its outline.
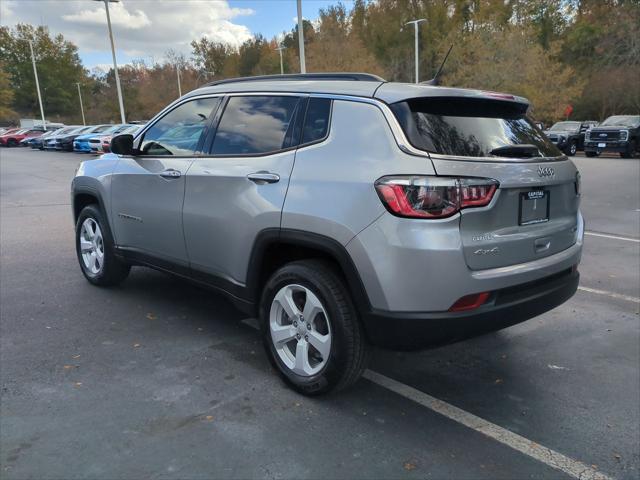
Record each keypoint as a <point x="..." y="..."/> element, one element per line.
<point x="419" y="330"/>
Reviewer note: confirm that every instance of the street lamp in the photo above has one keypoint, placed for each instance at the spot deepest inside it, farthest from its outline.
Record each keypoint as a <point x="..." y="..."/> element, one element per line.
<point x="415" y="26"/>
<point x="113" y="53"/>
<point x="303" y="67"/>
<point x="179" y="86"/>
<point x="35" y="72"/>
<point x="81" y="106"/>
<point x="280" y="49"/>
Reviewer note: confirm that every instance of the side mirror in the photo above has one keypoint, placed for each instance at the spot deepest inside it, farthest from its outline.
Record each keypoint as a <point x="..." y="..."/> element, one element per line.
<point x="122" y="144"/>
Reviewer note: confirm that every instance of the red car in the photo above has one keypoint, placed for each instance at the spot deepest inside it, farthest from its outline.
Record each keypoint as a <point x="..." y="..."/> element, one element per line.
<point x="13" y="137"/>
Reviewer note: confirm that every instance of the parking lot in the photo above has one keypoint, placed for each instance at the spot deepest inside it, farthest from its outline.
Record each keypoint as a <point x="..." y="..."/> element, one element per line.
<point x="159" y="379"/>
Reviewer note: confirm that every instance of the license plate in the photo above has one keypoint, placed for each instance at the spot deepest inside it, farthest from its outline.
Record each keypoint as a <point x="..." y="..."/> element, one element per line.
<point x="534" y="207"/>
<point x="602" y="145"/>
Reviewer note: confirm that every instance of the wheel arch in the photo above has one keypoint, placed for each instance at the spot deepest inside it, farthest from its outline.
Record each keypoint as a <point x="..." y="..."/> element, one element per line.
<point x="83" y="196"/>
<point x="276" y="247"/>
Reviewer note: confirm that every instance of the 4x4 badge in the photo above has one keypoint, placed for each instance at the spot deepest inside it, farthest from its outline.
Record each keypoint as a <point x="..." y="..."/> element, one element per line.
<point x="546" y="171"/>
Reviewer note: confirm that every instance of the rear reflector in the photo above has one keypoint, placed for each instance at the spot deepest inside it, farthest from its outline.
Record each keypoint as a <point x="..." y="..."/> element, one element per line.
<point x="470" y="302"/>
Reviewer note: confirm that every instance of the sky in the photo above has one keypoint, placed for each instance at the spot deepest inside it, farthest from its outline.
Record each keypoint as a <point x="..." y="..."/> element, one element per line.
<point x="146" y="29"/>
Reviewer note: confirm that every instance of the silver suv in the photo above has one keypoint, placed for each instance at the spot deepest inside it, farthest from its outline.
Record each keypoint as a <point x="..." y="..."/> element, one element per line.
<point x="343" y="211"/>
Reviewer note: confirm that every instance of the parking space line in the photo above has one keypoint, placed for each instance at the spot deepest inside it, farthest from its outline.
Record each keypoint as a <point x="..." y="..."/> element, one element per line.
<point x="521" y="444"/>
<point x="614" y="237"/>
<point x="618" y="296"/>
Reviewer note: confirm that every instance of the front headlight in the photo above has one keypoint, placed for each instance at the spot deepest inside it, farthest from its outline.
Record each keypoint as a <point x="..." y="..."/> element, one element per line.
<point x="624" y="135"/>
<point x="587" y="135"/>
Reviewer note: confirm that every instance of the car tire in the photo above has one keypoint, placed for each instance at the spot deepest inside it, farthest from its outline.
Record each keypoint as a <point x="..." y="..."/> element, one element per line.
<point x="12" y="142"/>
<point x="95" y="249"/>
<point x="592" y="154"/>
<point x="630" y="151"/>
<point x="315" y="289"/>
<point x="572" y="149"/>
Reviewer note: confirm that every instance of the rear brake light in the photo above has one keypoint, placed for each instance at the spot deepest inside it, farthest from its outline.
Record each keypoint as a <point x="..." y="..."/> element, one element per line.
<point x="470" y="302"/>
<point x="433" y="197"/>
<point x="503" y="96"/>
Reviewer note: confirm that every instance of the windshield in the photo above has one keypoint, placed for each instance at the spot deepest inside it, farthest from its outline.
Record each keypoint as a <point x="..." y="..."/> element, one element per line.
<point x="112" y="129"/>
<point x="132" y="130"/>
<point x="622" y="121"/>
<point x="470" y="127"/>
<point x="79" y="130"/>
<point x="65" y="130"/>
<point x="565" y="126"/>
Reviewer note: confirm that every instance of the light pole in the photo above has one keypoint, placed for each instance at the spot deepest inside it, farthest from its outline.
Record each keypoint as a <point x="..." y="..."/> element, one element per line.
<point x="113" y="53"/>
<point x="415" y="26"/>
<point x="35" y="73"/>
<point x="179" y="86"/>
<point x="81" y="106"/>
<point x="280" y="49"/>
<point x="303" y="67"/>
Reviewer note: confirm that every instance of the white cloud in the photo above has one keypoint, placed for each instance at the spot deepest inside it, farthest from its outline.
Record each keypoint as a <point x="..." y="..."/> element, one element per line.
<point x="142" y="28"/>
<point x="120" y="17"/>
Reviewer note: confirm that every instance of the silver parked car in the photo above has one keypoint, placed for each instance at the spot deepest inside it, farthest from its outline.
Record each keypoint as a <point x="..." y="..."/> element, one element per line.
<point x="343" y="211"/>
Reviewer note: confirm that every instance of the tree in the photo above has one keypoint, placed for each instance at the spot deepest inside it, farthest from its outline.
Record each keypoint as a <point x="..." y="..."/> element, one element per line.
<point x="7" y="115"/>
<point x="211" y="57"/>
<point x="512" y="61"/>
<point x="336" y="48"/>
<point x="59" y="68"/>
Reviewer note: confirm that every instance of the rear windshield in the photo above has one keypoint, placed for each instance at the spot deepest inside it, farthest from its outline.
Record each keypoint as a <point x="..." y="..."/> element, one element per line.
<point x="469" y="127"/>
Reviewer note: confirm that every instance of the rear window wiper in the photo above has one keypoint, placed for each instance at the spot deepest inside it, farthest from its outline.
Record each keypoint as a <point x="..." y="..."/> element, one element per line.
<point x="522" y="150"/>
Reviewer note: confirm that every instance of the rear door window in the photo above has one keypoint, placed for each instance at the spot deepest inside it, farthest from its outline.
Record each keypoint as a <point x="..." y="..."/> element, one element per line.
<point x="470" y="127"/>
<point x="255" y="125"/>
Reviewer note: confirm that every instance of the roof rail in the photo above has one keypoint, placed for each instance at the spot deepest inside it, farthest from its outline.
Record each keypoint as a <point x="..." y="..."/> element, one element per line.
<point x="355" y="77"/>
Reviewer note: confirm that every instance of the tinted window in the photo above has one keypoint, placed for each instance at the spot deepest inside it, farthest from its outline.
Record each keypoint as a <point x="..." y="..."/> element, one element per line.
<point x="469" y="127"/>
<point x="254" y="125"/>
<point x="178" y="132"/>
<point x="316" y="122"/>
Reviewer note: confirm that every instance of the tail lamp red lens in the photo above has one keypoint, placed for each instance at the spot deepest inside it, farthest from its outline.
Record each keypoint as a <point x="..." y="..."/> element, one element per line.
<point x="469" y="302"/>
<point x="433" y="197"/>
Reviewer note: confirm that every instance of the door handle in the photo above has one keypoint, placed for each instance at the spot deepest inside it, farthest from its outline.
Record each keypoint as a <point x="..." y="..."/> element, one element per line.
<point x="171" y="173"/>
<point x="264" y="177"/>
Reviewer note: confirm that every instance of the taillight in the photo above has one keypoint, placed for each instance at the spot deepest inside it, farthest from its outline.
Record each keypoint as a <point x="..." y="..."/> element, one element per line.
<point x="433" y="197"/>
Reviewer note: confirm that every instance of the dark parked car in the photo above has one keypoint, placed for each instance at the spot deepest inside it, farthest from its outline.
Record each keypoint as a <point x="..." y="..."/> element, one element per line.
<point x="569" y="136"/>
<point x="38" y="142"/>
<point x="66" y="142"/>
<point x="619" y="133"/>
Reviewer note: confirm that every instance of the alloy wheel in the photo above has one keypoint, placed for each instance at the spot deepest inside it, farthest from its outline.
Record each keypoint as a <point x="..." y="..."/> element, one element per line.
<point x="300" y="330"/>
<point x="92" y="246"/>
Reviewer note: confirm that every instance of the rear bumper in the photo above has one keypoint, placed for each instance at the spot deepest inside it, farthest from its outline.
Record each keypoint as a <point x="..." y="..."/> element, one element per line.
<point x="506" y="307"/>
<point x="619" y="147"/>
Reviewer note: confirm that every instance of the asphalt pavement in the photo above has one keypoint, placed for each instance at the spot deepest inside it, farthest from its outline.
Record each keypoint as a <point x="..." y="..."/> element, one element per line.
<point x="157" y="378"/>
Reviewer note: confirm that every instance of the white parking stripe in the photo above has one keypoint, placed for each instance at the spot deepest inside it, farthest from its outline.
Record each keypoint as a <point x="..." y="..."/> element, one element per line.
<point x="614" y="237"/>
<point x="523" y="445"/>
<point x="618" y="296"/>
